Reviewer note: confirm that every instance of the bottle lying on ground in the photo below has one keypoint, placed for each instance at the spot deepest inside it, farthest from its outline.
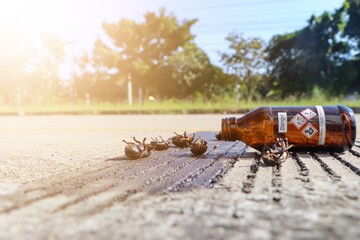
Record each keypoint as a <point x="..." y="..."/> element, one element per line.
<point x="331" y="128"/>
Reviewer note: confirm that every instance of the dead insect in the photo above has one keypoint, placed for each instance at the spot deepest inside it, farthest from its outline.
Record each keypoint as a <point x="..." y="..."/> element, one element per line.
<point x="277" y="153"/>
<point x="218" y="135"/>
<point x="198" y="147"/>
<point x="182" y="140"/>
<point x="137" y="149"/>
<point x="159" y="145"/>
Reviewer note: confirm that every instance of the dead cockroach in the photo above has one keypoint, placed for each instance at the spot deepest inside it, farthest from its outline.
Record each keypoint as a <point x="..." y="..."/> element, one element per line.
<point x="159" y="144"/>
<point x="198" y="147"/>
<point x="277" y="153"/>
<point x="182" y="141"/>
<point x="137" y="149"/>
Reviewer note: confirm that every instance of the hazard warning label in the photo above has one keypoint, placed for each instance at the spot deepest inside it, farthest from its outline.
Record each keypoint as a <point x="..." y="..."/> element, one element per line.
<point x="309" y="130"/>
<point x="308" y="113"/>
<point x="298" y="121"/>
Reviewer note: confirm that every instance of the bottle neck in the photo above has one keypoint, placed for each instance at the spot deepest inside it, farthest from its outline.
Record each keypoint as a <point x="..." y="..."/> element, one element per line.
<point x="228" y="129"/>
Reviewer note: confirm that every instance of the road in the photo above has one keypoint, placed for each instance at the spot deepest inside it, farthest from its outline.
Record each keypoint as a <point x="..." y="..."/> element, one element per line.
<point x="66" y="177"/>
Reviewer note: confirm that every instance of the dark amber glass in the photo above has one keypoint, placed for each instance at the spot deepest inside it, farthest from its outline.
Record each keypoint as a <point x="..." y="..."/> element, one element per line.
<point x="306" y="127"/>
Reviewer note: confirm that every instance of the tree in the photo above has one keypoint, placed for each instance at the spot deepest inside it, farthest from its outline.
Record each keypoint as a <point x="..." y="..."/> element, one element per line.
<point x="309" y="57"/>
<point x="16" y="56"/>
<point x="186" y="72"/>
<point x="351" y="68"/>
<point x="246" y="60"/>
<point x="96" y="80"/>
<point x="352" y="28"/>
<point x="49" y="57"/>
<point x="140" y="49"/>
<point x="29" y="71"/>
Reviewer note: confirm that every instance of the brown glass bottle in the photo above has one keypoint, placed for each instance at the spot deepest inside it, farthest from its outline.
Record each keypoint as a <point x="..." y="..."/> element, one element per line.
<point x="313" y="127"/>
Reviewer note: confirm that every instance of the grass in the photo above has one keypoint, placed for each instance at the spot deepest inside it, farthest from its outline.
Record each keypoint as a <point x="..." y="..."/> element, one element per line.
<point x="164" y="107"/>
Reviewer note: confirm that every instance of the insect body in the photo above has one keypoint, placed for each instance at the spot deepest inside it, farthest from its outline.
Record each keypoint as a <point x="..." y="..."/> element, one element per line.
<point x="159" y="144"/>
<point x="182" y="141"/>
<point x="137" y="149"/>
<point x="198" y="147"/>
<point x="218" y="135"/>
<point x="277" y="154"/>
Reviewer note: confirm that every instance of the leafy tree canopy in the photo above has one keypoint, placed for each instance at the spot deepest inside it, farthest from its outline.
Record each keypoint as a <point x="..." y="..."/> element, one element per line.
<point x="309" y="57"/>
<point x="138" y="47"/>
<point x="246" y="59"/>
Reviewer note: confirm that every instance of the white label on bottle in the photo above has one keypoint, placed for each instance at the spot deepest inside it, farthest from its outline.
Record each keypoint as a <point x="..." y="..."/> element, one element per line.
<point x="282" y="118"/>
<point x="322" y="125"/>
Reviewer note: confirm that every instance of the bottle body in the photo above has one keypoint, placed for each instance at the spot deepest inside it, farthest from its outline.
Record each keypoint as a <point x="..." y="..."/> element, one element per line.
<point x="306" y="127"/>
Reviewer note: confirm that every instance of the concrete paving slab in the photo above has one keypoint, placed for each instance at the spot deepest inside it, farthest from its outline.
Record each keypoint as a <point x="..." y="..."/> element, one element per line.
<point x="66" y="177"/>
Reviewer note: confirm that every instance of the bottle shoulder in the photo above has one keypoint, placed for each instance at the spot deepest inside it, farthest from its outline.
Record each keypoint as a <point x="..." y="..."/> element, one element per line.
<point x="349" y="119"/>
<point x="257" y="115"/>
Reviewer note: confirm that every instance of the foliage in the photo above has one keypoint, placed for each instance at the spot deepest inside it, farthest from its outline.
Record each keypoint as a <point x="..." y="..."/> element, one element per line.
<point x="306" y="58"/>
<point x="169" y="106"/>
<point x="96" y="80"/>
<point x="246" y="59"/>
<point x="352" y="29"/>
<point x="141" y="50"/>
<point x="351" y="67"/>
<point x="320" y="54"/>
<point x="13" y="64"/>
<point x="184" y="73"/>
<point x="28" y="71"/>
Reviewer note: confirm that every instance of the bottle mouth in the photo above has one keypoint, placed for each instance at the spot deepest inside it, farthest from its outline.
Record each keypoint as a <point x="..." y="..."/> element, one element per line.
<point x="228" y="129"/>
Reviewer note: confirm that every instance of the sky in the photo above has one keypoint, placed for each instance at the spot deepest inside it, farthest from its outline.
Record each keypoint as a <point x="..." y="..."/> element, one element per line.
<point x="78" y="22"/>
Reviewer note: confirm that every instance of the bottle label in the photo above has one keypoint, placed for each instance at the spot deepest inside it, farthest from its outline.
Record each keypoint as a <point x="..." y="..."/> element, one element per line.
<point x="309" y="130"/>
<point x="282" y="117"/>
<point x="304" y="121"/>
<point x="308" y="113"/>
<point x="298" y="120"/>
<point x="322" y="125"/>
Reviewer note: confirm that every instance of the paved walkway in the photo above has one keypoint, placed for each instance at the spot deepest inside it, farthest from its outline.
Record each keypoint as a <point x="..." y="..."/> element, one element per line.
<point x="66" y="177"/>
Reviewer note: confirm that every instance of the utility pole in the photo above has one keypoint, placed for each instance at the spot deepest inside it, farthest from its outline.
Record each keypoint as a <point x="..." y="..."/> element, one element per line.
<point x="129" y="90"/>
